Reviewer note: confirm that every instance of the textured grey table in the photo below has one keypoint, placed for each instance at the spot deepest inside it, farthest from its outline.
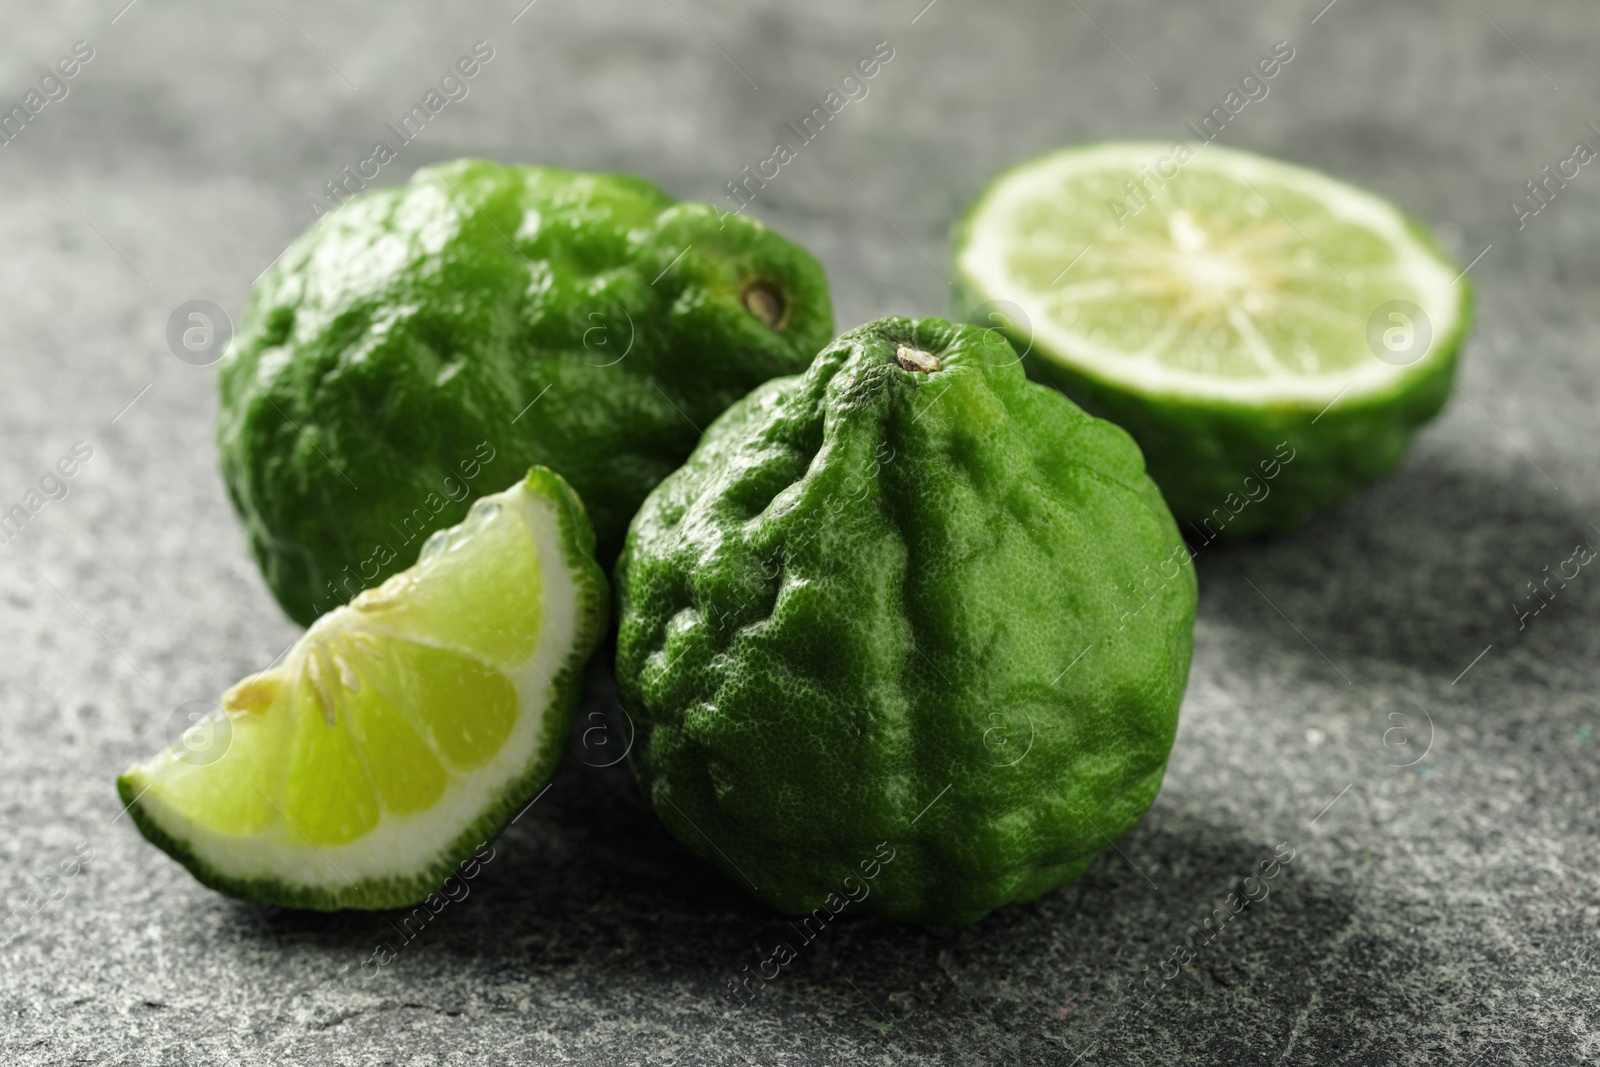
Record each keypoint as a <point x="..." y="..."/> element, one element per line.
<point x="1443" y="912"/>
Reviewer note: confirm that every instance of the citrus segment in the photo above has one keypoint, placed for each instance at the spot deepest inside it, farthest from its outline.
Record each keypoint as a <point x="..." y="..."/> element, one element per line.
<point x="403" y="729"/>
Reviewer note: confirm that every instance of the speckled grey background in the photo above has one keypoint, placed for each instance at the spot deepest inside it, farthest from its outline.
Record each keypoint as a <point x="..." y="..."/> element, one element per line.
<point x="1439" y="913"/>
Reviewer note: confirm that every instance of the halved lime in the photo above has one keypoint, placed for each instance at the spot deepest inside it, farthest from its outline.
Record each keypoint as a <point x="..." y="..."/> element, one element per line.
<point x="1271" y="336"/>
<point x="403" y="730"/>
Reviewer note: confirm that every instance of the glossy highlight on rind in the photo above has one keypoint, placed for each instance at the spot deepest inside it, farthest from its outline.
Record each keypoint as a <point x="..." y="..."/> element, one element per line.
<point x="425" y="344"/>
<point x="935" y="607"/>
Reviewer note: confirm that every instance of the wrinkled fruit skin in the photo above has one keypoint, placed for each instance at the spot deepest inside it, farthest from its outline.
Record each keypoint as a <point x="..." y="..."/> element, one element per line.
<point x="906" y="642"/>
<point x="424" y="345"/>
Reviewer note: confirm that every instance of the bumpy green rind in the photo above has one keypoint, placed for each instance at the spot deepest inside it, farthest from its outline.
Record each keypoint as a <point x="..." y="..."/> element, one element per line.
<point x="423" y="345"/>
<point x="577" y="539"/>
<point x="911" y="644"/>
<point x="1201" y="452"/>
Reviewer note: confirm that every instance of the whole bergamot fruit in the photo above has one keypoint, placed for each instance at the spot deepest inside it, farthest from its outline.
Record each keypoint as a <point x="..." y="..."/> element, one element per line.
<point x="425" y="345"/>
<point x="906" y="634"/>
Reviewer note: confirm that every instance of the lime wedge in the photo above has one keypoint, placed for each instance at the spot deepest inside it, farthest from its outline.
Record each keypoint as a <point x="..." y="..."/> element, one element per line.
<point x="402" y="730"/>
<point x="1271" y="336"/>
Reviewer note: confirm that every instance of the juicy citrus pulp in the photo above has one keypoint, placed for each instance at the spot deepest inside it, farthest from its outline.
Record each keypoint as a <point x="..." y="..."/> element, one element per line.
<point x="1216" y="303"/>
<point x="1239" y="278"/>
<point x="402" y="729"/>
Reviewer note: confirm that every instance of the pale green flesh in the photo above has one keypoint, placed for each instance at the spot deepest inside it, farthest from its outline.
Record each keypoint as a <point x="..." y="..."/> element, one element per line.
<point x="1235" y="278"/>
<point x="395" y="722"/>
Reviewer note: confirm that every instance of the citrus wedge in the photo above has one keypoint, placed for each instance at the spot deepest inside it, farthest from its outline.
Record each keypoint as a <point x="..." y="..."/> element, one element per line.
<point x="402" y="730"/>
<point x="1271" y="336"/>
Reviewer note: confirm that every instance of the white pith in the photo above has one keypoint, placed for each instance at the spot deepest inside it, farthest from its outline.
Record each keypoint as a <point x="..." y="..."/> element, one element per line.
<point x="402" y="846"/>
<point x="989" y="236"/>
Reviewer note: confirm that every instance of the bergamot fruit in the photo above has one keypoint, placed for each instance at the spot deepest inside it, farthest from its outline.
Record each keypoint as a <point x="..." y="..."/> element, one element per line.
<point x="424" y="345"/>
<point x="908" y="631"/>
<point x="402" y="730"/>
<point x="1271" y="337"/>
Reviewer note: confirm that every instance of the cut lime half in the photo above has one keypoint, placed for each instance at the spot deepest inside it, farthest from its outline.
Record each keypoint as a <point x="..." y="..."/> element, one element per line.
<point x="1228" y="310"/>
<point x="402" y="730"/>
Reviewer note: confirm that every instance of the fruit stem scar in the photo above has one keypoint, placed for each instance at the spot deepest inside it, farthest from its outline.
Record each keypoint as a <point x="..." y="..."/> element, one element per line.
<point x="916" y="359"/>
<point x="765" y="301"/>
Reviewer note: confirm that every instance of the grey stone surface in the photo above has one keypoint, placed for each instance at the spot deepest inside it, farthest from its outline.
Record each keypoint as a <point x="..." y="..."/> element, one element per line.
<point x="1441" y="913"/>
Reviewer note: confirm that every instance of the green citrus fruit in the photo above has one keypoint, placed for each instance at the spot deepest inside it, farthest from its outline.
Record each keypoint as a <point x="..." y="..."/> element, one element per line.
<point x="907" y="631"/>
<point x="424" y="345"/>
<point x="1270" y="336"/>
<point x="402" y="730"/>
